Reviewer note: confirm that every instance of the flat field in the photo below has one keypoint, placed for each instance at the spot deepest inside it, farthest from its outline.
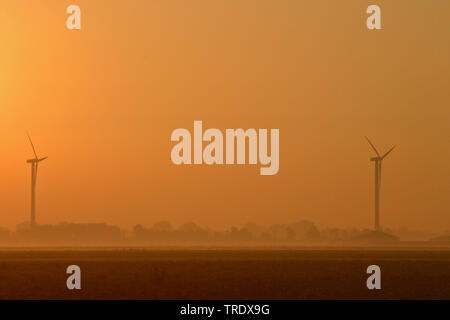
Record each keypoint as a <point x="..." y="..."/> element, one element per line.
<point x="193" y="273"/>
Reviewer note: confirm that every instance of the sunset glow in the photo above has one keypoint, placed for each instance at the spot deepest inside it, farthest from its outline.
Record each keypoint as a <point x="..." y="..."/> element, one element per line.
<point x="102" y="102"/>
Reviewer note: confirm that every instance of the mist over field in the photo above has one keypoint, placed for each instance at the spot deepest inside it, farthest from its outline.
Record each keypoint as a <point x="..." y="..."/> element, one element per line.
<point x="163" y="233"/>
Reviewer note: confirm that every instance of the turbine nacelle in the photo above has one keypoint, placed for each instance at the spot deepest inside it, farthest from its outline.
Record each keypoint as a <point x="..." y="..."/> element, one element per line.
<point x="36" y="160"/>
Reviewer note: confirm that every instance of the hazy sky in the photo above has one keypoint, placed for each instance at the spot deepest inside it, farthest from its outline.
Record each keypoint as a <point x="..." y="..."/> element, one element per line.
<point x="102" y="103"/>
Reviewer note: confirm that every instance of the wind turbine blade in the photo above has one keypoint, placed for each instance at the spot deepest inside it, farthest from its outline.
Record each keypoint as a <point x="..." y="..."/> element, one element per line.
<point x="29" y="138"/>
<point x="373" y="147"/>
<point x="385" y="155"/>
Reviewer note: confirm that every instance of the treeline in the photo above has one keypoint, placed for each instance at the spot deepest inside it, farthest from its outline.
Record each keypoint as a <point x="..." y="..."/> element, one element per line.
<point x="63" y="233"/>
<point x="303" y="231"/>
<point x="163" y="233"/>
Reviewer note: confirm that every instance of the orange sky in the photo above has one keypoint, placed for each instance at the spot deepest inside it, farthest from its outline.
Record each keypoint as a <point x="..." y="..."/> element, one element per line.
<point x="102" y="103"/>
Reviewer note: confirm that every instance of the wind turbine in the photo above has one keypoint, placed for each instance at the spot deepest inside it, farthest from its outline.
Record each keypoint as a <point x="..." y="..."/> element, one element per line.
<point x="378" y="160"/>
<point x="34" y="168"/>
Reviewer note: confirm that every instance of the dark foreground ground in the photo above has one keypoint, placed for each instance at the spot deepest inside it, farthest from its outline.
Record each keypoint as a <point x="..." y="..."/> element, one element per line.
<point x="224" y="273"/>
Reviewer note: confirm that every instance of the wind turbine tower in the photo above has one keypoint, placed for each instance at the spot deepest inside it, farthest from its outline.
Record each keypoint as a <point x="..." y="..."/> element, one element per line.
<point x="377" y="161"/>
<point x="34" y="169"/>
